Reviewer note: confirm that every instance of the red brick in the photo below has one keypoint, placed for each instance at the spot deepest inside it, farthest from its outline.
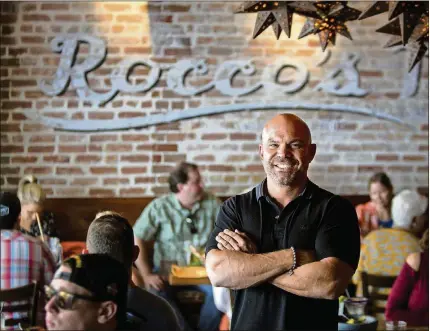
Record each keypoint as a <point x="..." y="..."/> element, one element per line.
<point x="52" y="181"/>
<point x="414" y="158"/>
<point x="177" y="52"/>
<point x="364" y="73"/>
<point x="144" y="180"/>
<point x="175" y="158"/>
<point x="10" y="127"/>
<point x="424" y="127"/>
<point x="399" y="168"/>
<point x="72" y="138"/>
<point x="387" y="157"/>
<point x="10" y="171"/>
<point x="41" y="149"/>
<point x="115" y="181"/>
<point x="346" y="147"/>
<point x="130" y="114"/>
<point x="116" y="6"/>
<point x="160" y="190"/>
<point x="5" y="19"/>
<point x="132" y="191"/>
<point x="423" y="169"/>
<point x="72" y="148"/>
<point x="370" y="168"/>
<point x="243" y="136"/>
<point x="214" y="136"/>
<point x="135" y="158"/>
<point x="103" y="170"/>
<point x="119" y="147"/>
<point x="11" y="149"/>
<point x="100" y="115"/>
<point x="42" y="139"/>
<point x="424" y="148"/>
<point x="129" y="18"/>
<point x="89" y="158"/>
<point x="97" y="192"/>
<point x="24" y="159"/>
<point x="11" y="180"/>
<point x="15" y="104"/>
<point x="237" y="158"/>
<point x="176" y="8"/>
<point x="95" y="148"/>
<point x="54" y="6"/>
<point x="346" y="126"/>
<point x="98" y="17"/>
<point x="134" y="137"/>
<point x="137" y="50"/>
<point x="84" y="181"/>
<point x="339" y="168"/>
<point x="38" y="170"/>
<point x="32" y="40"/>
<point x="165" y="148"/>
<point x="221" y="168"/>
<point x="4" y="159"/>
<point x="133" y="170"/>
<point x="69" y="171"/>
<point x="67" y="18"/>
<point x="56" y="158"/>
<point x="102" y="138"/>
<point x="200" y="158"/>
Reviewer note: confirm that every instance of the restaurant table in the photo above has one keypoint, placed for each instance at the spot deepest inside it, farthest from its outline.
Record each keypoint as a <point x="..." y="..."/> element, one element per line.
<point x="191" y="275"/>
<point x="178" y="281"/>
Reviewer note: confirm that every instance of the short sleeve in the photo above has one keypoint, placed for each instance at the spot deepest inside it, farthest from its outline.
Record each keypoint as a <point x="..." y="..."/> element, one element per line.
<point x="147" y="224"/>
<point x="226" y="219"/>
<point x="339" y="235"/>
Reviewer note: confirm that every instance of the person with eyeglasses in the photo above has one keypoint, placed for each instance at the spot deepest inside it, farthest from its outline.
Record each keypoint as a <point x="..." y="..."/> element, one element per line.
<point x="176" y="221"/>
<point x="88" y="292"/>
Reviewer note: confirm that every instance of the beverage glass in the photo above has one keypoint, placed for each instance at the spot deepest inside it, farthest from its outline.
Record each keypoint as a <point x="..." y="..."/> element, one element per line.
<point x="395" y="325"/>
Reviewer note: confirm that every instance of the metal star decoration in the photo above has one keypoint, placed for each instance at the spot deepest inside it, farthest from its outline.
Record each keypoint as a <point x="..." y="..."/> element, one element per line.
<point x="409" y="13"/>
<point x="331" y="20"/>
<point x="416" y="46"/>
<point x="278" y="14"/>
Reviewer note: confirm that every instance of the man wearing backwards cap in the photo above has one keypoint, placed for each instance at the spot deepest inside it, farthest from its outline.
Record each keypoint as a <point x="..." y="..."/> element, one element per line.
<point x="88" y="292"/>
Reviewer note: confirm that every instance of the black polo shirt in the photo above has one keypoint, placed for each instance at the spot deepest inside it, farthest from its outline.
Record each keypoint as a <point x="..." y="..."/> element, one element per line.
<point x="316" y="220"/>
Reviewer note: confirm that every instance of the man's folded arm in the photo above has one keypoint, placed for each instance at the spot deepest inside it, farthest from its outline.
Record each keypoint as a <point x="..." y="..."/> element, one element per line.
<point x="238" y="270"/>
<point x="325" y="279"/>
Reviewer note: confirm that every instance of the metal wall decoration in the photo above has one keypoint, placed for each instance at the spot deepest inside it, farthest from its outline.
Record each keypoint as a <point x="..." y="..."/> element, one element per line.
<point x="408" y="21"/>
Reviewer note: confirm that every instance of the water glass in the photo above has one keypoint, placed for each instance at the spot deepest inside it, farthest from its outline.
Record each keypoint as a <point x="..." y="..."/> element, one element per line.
<point x="395" y="325"/>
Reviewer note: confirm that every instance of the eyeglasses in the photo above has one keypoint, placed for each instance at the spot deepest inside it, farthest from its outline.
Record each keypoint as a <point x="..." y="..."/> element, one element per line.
<point x="64" y="300"/>
<point x="191" y="225"/>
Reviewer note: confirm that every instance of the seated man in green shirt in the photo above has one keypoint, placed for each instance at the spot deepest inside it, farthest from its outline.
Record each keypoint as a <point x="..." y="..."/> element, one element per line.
<point x="175" y="221"/>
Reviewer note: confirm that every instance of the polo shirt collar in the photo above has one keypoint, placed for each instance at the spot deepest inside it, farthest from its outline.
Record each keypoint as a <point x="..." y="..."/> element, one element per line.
<point x="178" y="205"/>
<point x="261" y="190"/>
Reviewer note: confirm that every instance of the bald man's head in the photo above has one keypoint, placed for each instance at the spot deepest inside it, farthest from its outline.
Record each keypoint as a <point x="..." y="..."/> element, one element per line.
<point x="286" y="119"/>
<point x="286" y="150"/>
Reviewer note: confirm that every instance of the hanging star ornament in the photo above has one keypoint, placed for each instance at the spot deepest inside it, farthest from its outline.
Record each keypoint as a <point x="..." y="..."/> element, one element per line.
<point x="331" y="18"/>
<point x="278" y="14"/>
<point x="409" y="13"/>
<point x="417" y="45"/>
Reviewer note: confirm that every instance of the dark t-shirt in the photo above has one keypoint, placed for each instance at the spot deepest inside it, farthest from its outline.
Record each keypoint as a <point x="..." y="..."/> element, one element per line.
<point x="316" y="220"/>
<point x="147" y="311"/>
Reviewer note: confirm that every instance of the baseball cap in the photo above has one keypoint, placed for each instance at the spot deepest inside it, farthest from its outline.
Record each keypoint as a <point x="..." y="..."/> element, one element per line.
<point x="105" y="277"/>
<point x="10" y="208"/>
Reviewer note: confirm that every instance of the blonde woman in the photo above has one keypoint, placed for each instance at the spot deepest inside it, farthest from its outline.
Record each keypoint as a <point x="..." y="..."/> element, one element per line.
<point x="32" y="197"/>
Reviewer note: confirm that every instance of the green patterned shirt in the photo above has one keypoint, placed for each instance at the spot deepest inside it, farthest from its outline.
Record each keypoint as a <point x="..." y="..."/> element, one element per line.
<point x="164" y="220"/>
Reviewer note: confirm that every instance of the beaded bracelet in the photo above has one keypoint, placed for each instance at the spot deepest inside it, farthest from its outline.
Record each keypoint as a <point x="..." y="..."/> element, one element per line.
<point x="291" y="270"/>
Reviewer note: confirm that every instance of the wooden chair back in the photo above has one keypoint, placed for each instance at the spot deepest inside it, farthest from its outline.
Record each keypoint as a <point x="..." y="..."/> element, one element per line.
<point x="380" y="282"/>
<point x="28" y="293"/>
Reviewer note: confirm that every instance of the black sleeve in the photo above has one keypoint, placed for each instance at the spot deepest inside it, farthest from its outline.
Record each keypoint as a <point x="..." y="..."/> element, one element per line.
<point x="226" y="219"/>
<point x="339" y="235"/>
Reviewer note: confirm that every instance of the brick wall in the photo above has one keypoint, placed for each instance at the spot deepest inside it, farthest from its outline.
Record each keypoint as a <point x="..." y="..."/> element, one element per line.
<point x="136" y="162"/>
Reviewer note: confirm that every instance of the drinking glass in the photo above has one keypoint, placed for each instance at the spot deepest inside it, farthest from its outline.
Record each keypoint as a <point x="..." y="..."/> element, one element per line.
<point x="395" y="325"/>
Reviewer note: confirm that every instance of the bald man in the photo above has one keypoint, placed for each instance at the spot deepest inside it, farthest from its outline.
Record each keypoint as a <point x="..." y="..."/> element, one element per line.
<point x="287" y="248"/>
